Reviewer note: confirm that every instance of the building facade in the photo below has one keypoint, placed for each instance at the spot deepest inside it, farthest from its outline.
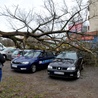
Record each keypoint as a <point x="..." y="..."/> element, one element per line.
<point x="93" y="15"/>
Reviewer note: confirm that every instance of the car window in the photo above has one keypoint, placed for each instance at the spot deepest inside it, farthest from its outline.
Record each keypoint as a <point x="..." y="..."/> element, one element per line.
<point x="32" y="54"/>
<point x="17" y="52"/>
<point x="6" y="49"/>
<point x="1" y="48"/>
<point x="12" y="50"/>
<point x="25" y="52"/>
<point x="50" y="54"/>
<point x="43" y="55"/>
<point x="69" y="55"/>
<point x="79" y="55"/>
<point x="21" y="52"/>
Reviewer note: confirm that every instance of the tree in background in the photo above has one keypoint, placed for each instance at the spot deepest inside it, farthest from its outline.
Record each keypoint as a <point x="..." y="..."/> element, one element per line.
<point x="49" y="29"/>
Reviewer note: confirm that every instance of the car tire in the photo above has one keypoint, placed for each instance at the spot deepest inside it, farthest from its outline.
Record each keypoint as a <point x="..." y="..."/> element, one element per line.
<point x="33" y="68"/>
<point x="78" y="74"/>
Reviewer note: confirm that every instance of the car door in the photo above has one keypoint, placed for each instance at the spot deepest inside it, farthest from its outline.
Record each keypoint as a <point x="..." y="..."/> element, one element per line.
<point x="50" y="56"/>
<point x="80" y="60"/>
<point x="43" y="59"/>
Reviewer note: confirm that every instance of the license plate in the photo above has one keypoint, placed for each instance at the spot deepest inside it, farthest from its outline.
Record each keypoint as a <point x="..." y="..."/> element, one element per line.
<point x="59" y="73"/>
<point x="14" y="66"/>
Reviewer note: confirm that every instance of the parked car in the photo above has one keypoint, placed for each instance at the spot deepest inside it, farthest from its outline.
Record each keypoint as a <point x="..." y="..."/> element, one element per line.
<point x="19" y="53"/>
<point x="7" y="52"/>
<point x="2" y="47"/>
<point x="66" y="64"/>
<point x="32" y="61"/>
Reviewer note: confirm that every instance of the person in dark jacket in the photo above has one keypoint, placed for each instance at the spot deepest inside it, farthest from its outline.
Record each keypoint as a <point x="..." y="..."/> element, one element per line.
<point x="2" y="60"/>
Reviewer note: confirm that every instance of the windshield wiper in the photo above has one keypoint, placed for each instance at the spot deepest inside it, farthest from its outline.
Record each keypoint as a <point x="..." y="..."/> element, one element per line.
<point x="67" y="59"/>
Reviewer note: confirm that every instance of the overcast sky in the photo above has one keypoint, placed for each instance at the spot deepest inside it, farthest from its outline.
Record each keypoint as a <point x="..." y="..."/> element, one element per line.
<point x="24" y="4"/>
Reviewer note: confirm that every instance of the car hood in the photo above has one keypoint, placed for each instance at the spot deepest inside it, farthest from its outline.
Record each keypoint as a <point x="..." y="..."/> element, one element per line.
<point x="63" y="63"/>
<point x="24" y="59"/>
<point x="2" y="52"/>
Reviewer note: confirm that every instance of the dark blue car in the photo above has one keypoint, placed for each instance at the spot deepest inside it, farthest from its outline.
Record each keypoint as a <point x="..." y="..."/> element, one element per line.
<point x="33" y="60"/>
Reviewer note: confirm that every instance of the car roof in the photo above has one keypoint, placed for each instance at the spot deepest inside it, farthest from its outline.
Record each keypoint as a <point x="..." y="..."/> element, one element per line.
<point x="38" y="50"/>
<point x="69" y="51"/>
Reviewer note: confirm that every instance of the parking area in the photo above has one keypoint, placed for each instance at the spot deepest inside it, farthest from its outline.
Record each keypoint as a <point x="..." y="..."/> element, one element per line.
<point x="39" y="85"/>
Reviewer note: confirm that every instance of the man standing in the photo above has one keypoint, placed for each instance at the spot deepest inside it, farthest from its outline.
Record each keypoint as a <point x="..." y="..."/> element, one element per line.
<point x="2" y="60"/>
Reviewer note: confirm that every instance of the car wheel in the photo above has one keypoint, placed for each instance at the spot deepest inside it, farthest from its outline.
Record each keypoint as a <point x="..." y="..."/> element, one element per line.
<point x="78" y="74"/>
<point x="33" y="68"/>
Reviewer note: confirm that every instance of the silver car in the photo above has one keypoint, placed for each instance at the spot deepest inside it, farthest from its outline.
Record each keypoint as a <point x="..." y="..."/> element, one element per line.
<point x="7" y="52"/>
<point x="18" y="53"/>
<point x="2" y="47"/>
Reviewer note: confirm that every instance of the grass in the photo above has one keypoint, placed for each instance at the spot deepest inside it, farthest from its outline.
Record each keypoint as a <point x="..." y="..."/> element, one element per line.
<point x="13" y="87"/>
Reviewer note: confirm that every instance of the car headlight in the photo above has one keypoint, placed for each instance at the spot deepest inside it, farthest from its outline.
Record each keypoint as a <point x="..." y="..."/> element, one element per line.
<point x="71" y="68"/>
<point x="25" y="62"/>
<point x="49" y="67"/>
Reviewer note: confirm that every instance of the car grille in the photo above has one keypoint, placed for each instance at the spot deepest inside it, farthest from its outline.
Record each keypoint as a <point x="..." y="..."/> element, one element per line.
<point x="60" y="68"/>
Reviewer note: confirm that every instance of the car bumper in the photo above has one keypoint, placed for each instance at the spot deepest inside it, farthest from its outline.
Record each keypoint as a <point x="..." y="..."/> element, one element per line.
<point x="20" y="67"/>
<point x="67" y="74"/>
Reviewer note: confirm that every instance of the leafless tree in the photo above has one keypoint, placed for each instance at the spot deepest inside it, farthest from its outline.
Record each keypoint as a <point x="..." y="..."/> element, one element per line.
<point x="48" y="30"/>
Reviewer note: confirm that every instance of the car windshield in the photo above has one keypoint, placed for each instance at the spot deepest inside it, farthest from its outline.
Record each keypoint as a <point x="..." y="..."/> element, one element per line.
<point x="26" y="51"/>
<point x="67" y="55"/>
<point x="16" y="52"/>
<point x="32" y="54"/>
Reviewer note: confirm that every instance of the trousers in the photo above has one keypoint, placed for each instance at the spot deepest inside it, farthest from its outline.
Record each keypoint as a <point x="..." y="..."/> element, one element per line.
<point x="0" y="74"/>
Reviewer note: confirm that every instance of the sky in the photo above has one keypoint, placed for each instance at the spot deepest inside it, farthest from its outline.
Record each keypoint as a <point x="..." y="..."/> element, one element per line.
<point x="24" y="4"/>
